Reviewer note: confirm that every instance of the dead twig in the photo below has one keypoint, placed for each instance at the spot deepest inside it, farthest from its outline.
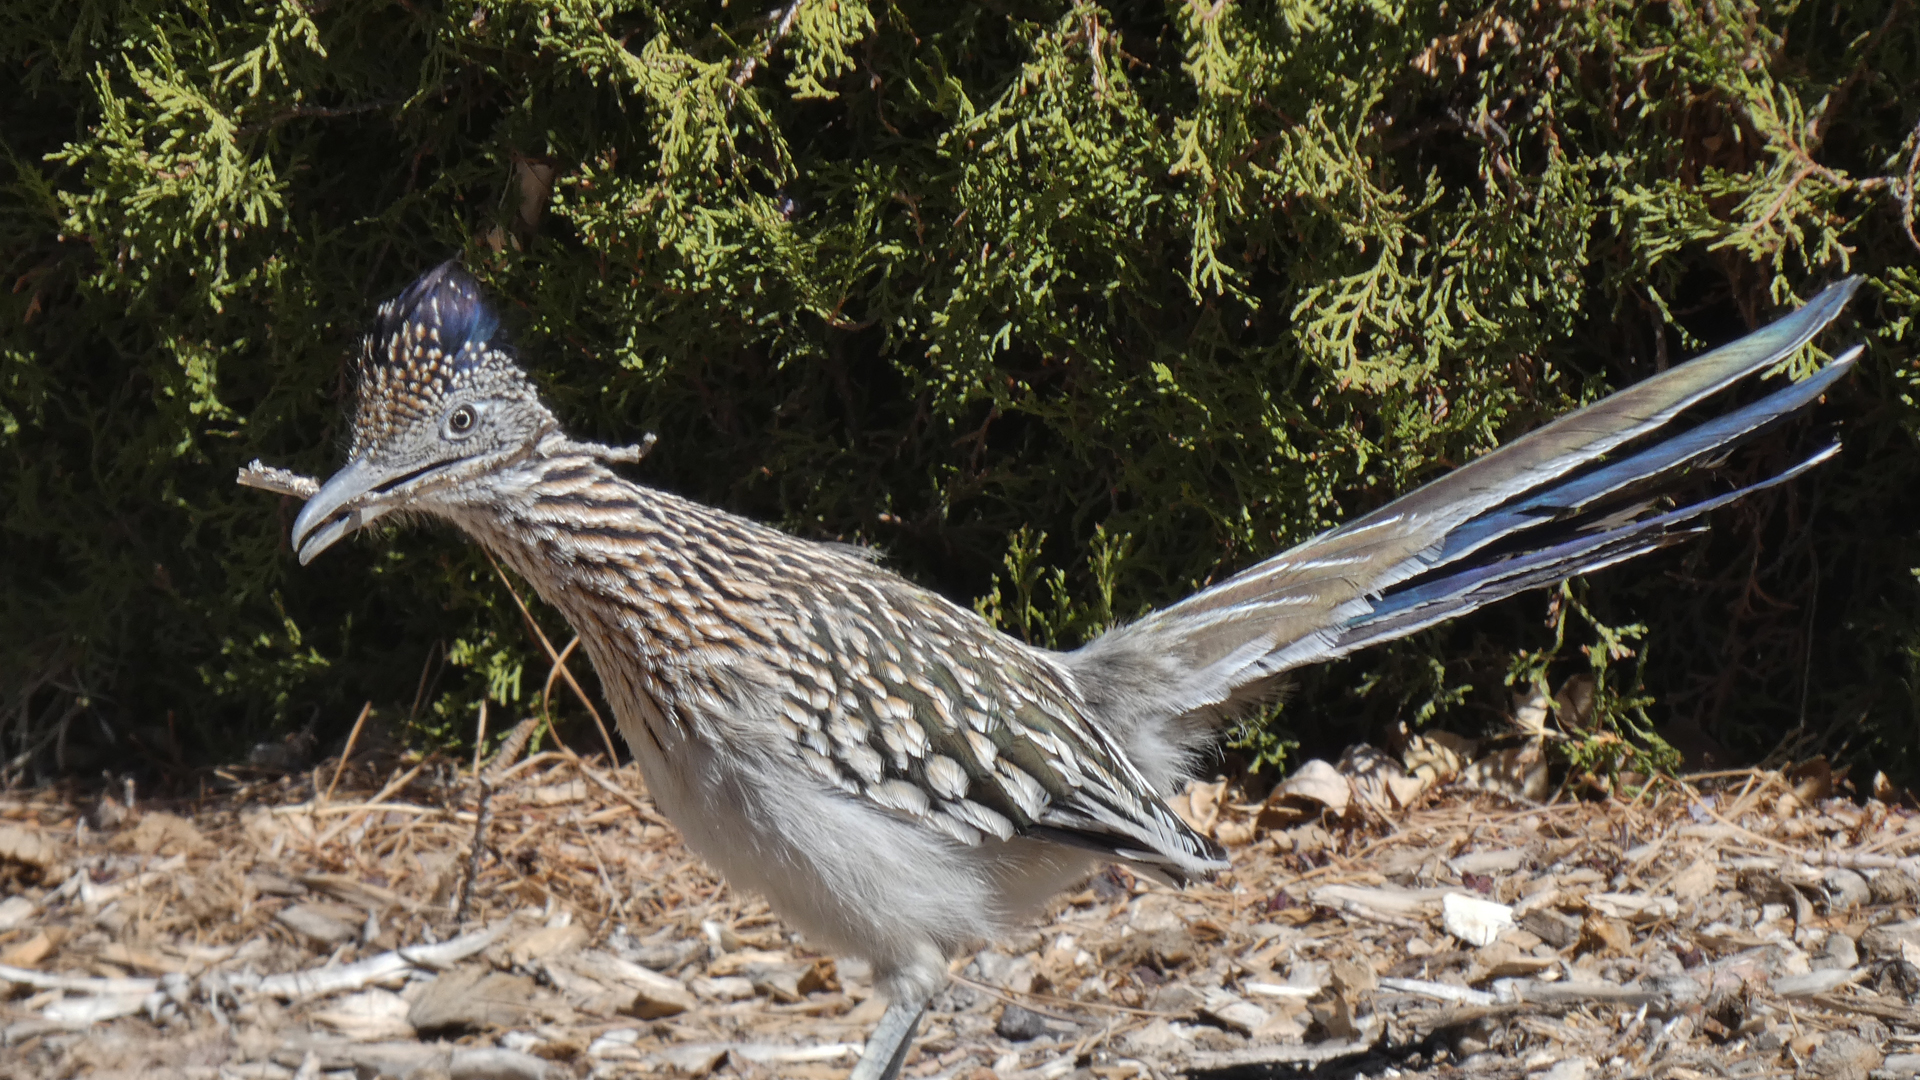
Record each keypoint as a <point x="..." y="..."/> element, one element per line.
<point x="352" y="738"/>
<point x="556" y="659"/>
<point x="481" y="821"/>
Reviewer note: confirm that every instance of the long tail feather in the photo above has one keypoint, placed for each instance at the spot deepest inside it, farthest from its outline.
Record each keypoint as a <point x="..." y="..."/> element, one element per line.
<point x="1545" y="507"/>
<point x="1709" y="440"/>
<point x="1418" y="606"/>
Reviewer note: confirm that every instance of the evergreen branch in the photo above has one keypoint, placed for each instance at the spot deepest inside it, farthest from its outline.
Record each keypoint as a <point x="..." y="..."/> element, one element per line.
<point x="744" y="72"/>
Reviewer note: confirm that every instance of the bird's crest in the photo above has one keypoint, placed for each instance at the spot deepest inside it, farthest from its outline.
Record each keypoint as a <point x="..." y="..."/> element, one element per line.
<point x="438" y="332"/>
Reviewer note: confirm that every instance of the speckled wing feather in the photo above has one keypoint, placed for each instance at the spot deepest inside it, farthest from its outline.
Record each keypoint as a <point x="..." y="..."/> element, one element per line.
<point x="940" y="718"/>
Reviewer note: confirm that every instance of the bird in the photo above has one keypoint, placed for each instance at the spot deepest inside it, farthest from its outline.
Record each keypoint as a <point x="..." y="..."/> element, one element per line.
<point x="899" y="779"/>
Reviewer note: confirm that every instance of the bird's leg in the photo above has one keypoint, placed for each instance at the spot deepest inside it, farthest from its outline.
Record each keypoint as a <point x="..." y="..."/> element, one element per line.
<point x="886" y="1049"/>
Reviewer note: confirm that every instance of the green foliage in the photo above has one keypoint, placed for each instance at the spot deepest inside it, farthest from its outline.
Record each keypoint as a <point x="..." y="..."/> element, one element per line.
<point x="989" y="286"/>
<point x="1602" y="726"/>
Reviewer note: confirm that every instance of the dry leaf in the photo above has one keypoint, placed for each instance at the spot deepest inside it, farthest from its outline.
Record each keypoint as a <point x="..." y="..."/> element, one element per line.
<point x="323" y="922"/>
<point x="1438" y="756"/>
<point x="1316" y="782"/>
<point x="1504" y="960"/>
<point x="1200" y="804"/>
<point x="1379" y="780"/>
<point x="1518" y="772"/>
<point x="1573" y="705"/>
<point x="1811" y="780"/>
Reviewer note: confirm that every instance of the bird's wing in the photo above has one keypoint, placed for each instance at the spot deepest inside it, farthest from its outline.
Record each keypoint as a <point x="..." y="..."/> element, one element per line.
<point x="911" y="703"/>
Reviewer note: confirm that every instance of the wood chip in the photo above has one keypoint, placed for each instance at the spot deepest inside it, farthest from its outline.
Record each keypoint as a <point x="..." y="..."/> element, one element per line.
<point x="161" y="833"/>
<point x="1327" y="925"/>
<point x="472" y="999"/>
<point x="326" y="923"/>
<point x="546" y="943"/>
<point x="653" y="995"/>
<point x="29" y="847"/>
<point x="368" y="1016"/>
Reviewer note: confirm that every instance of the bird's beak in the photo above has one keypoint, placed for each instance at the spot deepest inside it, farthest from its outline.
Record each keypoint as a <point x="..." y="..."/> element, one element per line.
<point x="346" y="503"/>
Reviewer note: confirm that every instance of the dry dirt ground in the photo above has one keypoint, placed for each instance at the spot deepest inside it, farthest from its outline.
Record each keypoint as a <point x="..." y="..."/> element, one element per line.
<point x="417" y="919"/>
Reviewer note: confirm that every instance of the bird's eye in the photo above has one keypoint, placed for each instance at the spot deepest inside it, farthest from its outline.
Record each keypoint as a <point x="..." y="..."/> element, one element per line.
<point x="461" y="421"/>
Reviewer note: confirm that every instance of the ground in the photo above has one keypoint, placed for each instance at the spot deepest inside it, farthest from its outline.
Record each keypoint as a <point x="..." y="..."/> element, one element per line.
<point x="1375" y="923"/>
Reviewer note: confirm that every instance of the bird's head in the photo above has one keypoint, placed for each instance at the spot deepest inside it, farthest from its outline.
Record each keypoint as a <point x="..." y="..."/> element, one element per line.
<point x="441" y="404"/>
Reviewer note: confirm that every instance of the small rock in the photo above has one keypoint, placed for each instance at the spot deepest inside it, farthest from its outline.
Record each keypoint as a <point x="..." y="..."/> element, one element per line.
<point x="30" y="847"/>
<point x="1473" y="920"/>
<point x="1774" y="1037"/>
<point x="1844" y="1056"/>
<point x="1177" y="999"/>
<point x="1695" y="882"/>
<point x="1891" y="886"/>
<point x="788" y="983"/>
<point x="1846" y="889"/>
<point x="1678" y="988"/>
<point x="1352" y="977"/>
<point x="1884" y="942"/>
<point x="1838" y="951"/>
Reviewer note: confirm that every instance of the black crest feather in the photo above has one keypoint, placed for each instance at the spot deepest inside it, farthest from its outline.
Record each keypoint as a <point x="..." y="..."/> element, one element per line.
<point x="443" y="305"/>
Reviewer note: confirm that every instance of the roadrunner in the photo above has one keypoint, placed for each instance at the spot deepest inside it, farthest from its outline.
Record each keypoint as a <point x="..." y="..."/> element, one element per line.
<point x="897" y="777"/>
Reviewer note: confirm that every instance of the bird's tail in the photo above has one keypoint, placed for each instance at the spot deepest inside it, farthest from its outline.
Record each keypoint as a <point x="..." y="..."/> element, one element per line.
<point x="1566" y="499"/>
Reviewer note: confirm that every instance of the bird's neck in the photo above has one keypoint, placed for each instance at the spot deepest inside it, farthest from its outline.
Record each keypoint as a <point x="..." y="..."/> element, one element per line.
<point x="598" y="546"/>
<point x="669" y="597"/>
